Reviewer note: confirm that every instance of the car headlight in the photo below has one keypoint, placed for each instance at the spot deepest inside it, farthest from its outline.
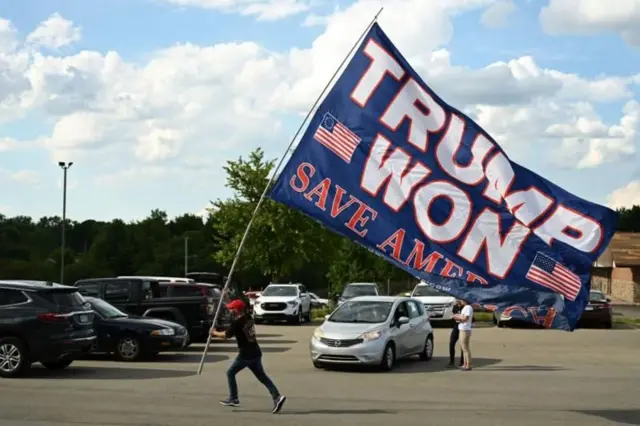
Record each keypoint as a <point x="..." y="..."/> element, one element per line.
<point x="292" y="303"/>
<point x="372" y="335"/>
<point x="163" y="332"/>
<point x="318" y="333"/>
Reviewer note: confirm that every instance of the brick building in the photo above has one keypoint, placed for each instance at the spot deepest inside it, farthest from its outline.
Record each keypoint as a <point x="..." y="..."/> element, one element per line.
<point x="617" y="271"/>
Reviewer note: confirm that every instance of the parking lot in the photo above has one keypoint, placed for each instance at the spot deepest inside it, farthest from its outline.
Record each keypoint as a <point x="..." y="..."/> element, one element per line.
<point x="524" y="377"/>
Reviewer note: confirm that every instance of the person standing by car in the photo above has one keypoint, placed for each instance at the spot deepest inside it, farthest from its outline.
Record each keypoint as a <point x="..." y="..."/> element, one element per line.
<point x="454" y="336"/>
<point x="249" y="356"/>
<point x="465" y="321"/>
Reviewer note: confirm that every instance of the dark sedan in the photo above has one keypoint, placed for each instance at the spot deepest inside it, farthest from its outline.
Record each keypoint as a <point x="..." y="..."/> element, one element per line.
<point x="598" y="311"/>
<point x="128" y="337"/>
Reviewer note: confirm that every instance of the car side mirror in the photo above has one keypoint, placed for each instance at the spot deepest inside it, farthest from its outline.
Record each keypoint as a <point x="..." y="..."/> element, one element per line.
<point x="403" y="320"/>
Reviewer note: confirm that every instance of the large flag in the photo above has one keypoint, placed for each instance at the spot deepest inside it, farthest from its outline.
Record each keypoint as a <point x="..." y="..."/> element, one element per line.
<point x="389" y="164"/>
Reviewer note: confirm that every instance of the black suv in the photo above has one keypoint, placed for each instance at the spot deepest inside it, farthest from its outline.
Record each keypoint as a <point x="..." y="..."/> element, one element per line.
<point x="42" y="322"/>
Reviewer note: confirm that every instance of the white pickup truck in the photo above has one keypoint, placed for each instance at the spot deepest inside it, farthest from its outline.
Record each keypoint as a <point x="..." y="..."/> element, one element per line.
<point x="283" y="302"/>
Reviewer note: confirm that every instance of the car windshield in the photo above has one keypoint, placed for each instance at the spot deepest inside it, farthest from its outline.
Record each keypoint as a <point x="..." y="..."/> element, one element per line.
<point x="358" y="290"/>
<point x="362" y="312"/>
<point x="596" y="296"/>
<point x="280" y="290"/>
<point x="425" y="290"/>
<point x="106" y="310"/>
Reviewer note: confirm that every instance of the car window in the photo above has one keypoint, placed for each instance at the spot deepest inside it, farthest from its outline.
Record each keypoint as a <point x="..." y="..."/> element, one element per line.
<point x="596" y="296"/>
<point x="359" y="290"/>
<point x="401" y="311"/>
<point x="63" y="298"/>
<point x="184" y="291"/>
<point x="11" y="297"/>
<point x="91" y="289"/>
<point x="117" y="291"/>
<point x="280" y="290"/>
<point x="413" y="309"/>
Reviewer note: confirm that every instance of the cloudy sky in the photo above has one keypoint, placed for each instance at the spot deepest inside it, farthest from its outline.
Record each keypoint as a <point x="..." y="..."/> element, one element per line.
<point x="149" y="98"/>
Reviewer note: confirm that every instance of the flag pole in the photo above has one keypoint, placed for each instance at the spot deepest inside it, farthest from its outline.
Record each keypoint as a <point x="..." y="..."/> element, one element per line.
<point x="266" y="188"/>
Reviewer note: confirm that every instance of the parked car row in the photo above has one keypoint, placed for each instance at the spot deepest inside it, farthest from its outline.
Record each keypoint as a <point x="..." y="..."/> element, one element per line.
<point x="54" y="324"/>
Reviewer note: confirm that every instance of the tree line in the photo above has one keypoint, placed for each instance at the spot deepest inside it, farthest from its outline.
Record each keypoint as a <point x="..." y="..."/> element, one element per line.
<point x="283" y="246"/>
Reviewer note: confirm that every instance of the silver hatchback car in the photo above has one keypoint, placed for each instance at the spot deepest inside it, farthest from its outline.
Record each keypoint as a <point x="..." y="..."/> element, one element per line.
<point x="373" y="330"/>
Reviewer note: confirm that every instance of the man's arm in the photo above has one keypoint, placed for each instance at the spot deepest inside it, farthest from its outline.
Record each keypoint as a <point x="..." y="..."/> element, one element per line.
<point x="227" y="334"/>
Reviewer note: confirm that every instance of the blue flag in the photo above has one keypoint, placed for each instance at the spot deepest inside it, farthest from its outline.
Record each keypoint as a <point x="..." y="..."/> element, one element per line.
<point x="389" y="164"/>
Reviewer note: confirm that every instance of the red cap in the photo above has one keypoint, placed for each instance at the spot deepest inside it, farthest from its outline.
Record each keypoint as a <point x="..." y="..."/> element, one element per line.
<point x="236" y="305"/>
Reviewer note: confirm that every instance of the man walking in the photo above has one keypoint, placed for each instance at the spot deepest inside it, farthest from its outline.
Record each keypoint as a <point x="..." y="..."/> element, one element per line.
<point x="249" y="355"/>
<point x="454" y="336"/>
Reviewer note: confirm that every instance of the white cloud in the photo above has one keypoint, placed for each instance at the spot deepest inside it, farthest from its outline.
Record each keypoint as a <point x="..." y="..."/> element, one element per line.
<point x="626" y="196"/>
<point x="199" y="105"/>
<point x="20" y="176"/>
<point x="54" y="33"/>
<point x="497" y="14"/>
<point x="264" y="10"/>
<point x="593" y="17"/>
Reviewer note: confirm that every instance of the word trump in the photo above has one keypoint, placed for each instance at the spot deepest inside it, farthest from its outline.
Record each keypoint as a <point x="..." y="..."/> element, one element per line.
<point x="400" y="178"/>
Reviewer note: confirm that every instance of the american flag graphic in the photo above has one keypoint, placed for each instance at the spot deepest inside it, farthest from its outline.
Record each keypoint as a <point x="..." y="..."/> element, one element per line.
<point x="552" y="275"/>
<point x="337" y="137"/>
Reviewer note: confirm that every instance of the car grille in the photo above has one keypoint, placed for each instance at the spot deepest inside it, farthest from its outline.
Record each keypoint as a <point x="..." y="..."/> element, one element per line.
<point x="340" y="358"/>
<point x="274" y="306"/>
<point x="336" y="343"/>
<point x="436" y="306"/>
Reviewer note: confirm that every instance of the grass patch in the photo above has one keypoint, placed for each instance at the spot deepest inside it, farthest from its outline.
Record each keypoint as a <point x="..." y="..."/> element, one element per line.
<point x="319" y="313"/>
<point x="483" y="316"/>
<point x="627" y="320"/>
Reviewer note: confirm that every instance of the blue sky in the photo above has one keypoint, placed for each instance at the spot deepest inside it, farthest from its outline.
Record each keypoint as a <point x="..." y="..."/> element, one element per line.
<point x="148" y="127"/>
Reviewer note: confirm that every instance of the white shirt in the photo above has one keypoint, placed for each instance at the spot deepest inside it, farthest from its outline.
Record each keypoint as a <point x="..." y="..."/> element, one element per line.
<point x="466" y="325"/>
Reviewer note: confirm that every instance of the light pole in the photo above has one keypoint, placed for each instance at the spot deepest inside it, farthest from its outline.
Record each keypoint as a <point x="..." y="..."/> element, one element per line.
<point x="186" y="256"/>
<point x="65" y="167"/>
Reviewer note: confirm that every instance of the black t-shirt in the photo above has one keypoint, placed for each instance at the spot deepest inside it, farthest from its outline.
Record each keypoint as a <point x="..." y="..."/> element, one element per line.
<point x="456" y="310"/>
<point x="244" y="330"/>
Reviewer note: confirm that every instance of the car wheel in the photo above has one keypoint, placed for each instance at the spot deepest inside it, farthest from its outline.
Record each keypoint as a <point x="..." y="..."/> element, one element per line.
<point x="128" y="349"/>
<point x="299" y="318"/>
<point x="427" y="351"/>
<point x="13" y="357"/>
<point x="388" y="358"/>
<point x="57" y="365"/>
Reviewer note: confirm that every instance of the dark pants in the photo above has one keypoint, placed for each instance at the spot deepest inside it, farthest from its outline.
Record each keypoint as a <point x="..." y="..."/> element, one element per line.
<point x="255" y="365"/>
<point x="453" y="339"/>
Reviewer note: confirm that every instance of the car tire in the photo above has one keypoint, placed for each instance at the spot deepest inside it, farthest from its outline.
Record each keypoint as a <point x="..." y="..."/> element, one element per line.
<point x="57" y="365"/>
<point x="388" y="358"/>
<point x="299" y="319"/>
<point x="427" y="350"/>
<point x="128" y="349"/>
<point x="14" y="359"/>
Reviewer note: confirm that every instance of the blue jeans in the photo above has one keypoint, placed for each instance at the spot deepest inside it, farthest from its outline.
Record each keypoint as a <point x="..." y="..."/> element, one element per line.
<point x="255" y="365"/>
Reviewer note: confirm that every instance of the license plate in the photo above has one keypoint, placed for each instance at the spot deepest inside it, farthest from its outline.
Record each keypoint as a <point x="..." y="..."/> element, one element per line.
<point x="84" y="319"/>
<point x="589" y="308"/>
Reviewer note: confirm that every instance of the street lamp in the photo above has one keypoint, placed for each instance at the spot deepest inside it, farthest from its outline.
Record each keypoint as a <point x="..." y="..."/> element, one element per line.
<point x="64" y="166"/>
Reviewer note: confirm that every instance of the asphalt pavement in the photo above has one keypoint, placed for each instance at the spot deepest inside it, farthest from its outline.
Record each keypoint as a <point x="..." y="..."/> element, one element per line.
<point x="523" y="377"/>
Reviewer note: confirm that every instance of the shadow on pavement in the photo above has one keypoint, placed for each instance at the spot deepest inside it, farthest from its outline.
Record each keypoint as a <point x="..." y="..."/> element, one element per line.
<point x="524" y="368"/>
<point x="410" y="366"/>
<point x="234" y="348"/>
<point x="107" y="373"/>
<point x="309" y="412"/>
<point x="624" y="417"/>
<point x="200" y="348"/>
<point x="261" y="335"/>
<point x="189" y="357"/>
